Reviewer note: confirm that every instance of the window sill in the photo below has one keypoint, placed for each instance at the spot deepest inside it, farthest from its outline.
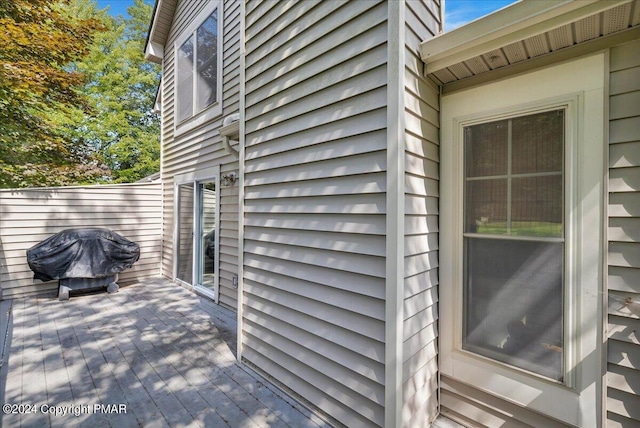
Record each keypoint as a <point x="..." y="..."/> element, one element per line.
<point x="205" y="116"/>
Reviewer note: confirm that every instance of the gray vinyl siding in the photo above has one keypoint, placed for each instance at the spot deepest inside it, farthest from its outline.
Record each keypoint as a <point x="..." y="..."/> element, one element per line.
<point x="623" y="375"/>
<point x="420" y="365"/>
<point x="315" y="177"/>
<point x="28" y="216"/>
<point x="201" y="148"/>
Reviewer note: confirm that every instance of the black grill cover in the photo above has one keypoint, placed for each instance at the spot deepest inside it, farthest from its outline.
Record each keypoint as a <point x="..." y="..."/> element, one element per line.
<point x="82" y="253"/>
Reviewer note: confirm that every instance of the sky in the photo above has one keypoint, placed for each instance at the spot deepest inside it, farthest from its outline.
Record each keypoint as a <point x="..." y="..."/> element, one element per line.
<point x="458" y="12"/>
<point x="116" y="7"/>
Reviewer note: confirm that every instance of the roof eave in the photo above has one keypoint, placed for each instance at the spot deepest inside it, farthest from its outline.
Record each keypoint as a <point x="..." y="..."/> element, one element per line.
<point x="509" y="25"/>
<point x="154" y="51"/>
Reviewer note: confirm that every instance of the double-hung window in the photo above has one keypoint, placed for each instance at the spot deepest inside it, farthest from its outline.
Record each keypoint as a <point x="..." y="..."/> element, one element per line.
<point x="521" y="226"/>
<point x="514" y="241"/>
<point x="199" y="69"/>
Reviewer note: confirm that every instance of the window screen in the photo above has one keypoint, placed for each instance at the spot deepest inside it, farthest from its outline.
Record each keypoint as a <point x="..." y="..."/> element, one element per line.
<point x="184" y="92"/>
<point x="514" y="241"/>
<point x="197" y="74"/>
<point x="207" y="69"/>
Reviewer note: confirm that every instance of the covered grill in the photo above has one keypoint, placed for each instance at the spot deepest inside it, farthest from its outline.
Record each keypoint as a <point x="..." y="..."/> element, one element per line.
<point x="82" y="258"/>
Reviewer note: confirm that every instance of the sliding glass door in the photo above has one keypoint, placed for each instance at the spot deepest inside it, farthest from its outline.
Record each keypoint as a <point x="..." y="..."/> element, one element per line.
<point x="206" y="266"/>
<point x="184" y="236"/>
<point x="196" y="223"/>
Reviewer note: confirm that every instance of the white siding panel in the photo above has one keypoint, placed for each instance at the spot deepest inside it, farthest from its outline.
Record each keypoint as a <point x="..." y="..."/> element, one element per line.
<point x="422" y="403"/>
<point x="624" y="155"/>
<point x="308" y="383"/>
<point x="362" y="62"/>
<point x="624" y="229"/>
<point x="311" y="156"/>
<point x="624" y="328"/>
<point x="345" y="185"/>
<point x="266" y="19"/>
<point x="355" y="282"/>
<point x="349" y="320"/>
<point x="339" y="330"/>
<point x="420" y="376"/>
<point x="624" y="205"/>
<point x="290" y="38"/>
<point x="622" y="353"/>
<point x="343" y="130"/>
<point x="418" y="283"/>
<point x="300" y="346"/>
<point x="624" y="105"/>
<point x="624" y="304"/>
<point x="624" y="179"/>
<point x="315" y="178"/>
<point x="309" y="256"/>
<point x="340" y="204"/>
<point x="623" y="378"/>
<point x="334" y="242"/>
<point x="623" y="81"/>
<point x="625" y="254"/>
<point x="415" y="224"/>
<point x="473" y="407"/>
<point x="287" y="289"/>
<point x="341" y="223"/>
<point x="414" y="324"/>
<point x="29" y="216"/>
<point x="624" y="279"/>
<point x="300" y="61"/>
<point x="624" y="130"/>
<point x="625" y="57"/>
<point x="366" y="81"/>
<point x="624" y="404"/>
<point x="342" y="109"/>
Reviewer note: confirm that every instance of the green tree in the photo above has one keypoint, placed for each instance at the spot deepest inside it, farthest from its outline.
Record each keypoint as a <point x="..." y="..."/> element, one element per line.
<point x="121" y="88"/>
<point x="39" y="43"/>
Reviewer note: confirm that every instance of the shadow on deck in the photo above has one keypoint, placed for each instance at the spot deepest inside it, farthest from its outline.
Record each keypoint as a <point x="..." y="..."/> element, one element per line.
<point x="154" y="350"/>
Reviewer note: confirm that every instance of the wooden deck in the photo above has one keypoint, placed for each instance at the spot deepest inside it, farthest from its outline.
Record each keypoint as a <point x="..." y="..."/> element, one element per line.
<point x="152" y="354"/>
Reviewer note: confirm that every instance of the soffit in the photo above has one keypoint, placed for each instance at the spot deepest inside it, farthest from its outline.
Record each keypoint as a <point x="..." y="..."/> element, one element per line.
<point x="564" y="25"/>
<point x="160" y="27"/>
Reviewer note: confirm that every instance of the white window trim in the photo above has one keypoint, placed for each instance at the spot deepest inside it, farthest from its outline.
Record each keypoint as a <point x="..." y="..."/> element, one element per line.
<point x="576" y="399"/>
<point x="215" y="109"/>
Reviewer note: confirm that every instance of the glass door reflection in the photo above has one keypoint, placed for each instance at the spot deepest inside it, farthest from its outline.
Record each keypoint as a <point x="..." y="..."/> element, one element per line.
<point x="206" y="267"/>
<point x="184" y="268"/>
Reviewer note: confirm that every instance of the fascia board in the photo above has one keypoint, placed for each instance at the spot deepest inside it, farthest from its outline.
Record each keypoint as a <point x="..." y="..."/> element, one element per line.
<point x="154" y="52"/>
<point x="157" y="105"/>
<point x="154" y="19"/>
<point x="509" y="25"/>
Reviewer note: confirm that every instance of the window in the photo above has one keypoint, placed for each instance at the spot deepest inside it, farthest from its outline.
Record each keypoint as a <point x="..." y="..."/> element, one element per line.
<point x="521" y="249"/>
<point x="198" y="77"/>
<point x="514" y="241"/>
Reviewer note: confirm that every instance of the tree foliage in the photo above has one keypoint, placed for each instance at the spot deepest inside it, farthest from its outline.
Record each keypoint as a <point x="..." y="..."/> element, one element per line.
<point x="121" y="89"/>
<point x="38" y="42"/>
<point x="76" y="94"/>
